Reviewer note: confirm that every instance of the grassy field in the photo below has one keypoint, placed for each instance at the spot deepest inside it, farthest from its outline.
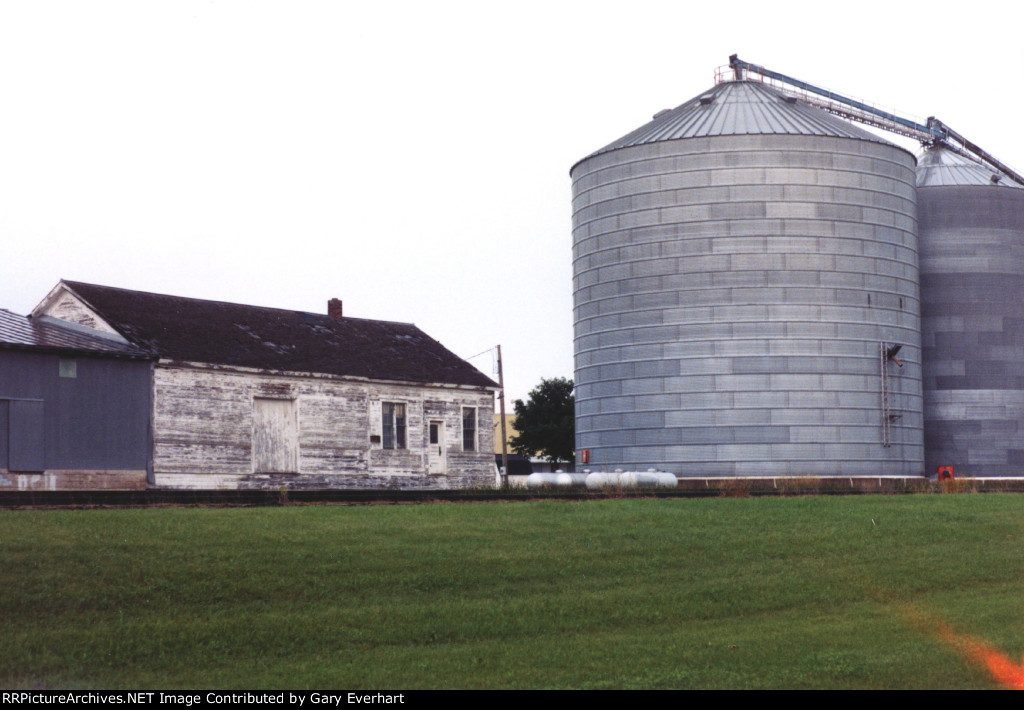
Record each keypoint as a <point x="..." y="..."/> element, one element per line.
<point x="832" y="592"/>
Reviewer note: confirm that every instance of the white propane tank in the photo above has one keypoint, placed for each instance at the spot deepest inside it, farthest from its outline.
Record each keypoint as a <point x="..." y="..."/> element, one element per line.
<point x="597" y="481"/>
<point x="632" y="479"/>
<point x="648" y="479"/>
<point x="555" y="480"/>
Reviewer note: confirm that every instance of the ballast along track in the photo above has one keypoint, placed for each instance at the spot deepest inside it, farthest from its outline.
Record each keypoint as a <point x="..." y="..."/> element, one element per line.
<point x="254" y="498"/>
<point x="688" y="488"/>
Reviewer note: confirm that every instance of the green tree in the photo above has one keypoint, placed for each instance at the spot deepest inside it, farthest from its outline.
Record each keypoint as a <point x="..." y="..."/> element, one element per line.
<point x="546" y="422"/>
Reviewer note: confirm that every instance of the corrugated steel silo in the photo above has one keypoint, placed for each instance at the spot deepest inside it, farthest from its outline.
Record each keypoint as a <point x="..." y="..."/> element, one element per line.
<point x="972" y="287"/>
<point x="741" y="264"/>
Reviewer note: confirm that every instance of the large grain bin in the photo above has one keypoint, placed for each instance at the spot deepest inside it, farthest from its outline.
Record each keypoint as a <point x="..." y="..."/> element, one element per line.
<point x="972" y="284"/>
<point x="742" y="266"/>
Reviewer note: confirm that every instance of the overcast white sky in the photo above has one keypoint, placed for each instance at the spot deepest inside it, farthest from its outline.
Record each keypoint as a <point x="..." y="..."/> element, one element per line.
<point x="410" y="158"/>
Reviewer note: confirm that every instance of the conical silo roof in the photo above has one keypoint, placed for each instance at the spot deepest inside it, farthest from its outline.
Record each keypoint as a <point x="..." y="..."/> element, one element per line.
<point x="940" y="166"/>
<point x="740" y="108"/>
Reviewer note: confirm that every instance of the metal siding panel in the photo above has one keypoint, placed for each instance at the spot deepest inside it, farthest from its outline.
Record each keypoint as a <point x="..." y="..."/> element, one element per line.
<point x="4" y="429"/>
<point x="103" y="417"/>
<point x="27" y="436"/>
<point x="722" y="301"/>
<point x="972" y="249"/>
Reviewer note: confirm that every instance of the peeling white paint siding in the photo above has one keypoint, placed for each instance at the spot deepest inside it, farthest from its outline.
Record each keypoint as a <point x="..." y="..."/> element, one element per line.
<point x="68" y="307"/>
<point x="204" y="428"/>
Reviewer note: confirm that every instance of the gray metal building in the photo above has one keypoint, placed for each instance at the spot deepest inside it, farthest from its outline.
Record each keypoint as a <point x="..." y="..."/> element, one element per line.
<point x="971" y="226"/>
<point x="74" y="408"/>
<point x="743" y="265"/>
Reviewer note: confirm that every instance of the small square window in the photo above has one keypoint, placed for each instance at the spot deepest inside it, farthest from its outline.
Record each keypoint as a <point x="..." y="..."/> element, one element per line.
<point x="68" y="367"/>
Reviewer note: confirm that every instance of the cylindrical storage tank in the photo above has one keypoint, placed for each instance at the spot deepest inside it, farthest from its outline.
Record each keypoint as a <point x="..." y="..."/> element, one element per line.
<point x="597" y="481"/>
<point x="631" y="479"/>
<point x="740" y="265"/>
<point x="648" y="479"/>
<point x="557" y="480"/>
<point x="971" y="224"/>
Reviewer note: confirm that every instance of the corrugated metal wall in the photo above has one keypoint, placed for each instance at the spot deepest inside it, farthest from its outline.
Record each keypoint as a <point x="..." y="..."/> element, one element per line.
<point x="972" y="286"/>
<point x="98" y="419"/>
<point x="731" y="294"/>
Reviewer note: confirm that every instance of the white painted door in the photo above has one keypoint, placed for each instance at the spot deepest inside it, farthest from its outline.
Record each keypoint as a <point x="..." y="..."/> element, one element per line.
<point x="275" y="436"/>
<point x="436" y="457"/>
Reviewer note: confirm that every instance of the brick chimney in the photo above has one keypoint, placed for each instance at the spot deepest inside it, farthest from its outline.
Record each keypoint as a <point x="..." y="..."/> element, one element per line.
<point x="334" y="309"/>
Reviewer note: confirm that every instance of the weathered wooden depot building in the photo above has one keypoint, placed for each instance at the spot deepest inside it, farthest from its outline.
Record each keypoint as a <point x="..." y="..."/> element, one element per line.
<point x="176" y="392"/>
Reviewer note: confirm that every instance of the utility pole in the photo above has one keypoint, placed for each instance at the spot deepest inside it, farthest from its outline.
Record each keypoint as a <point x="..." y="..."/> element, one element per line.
<point x="504" y="440"/>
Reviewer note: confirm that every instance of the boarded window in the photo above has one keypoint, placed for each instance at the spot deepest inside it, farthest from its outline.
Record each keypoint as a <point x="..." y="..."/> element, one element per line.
<point x="468" y="429"/>
<point x="393" y="425"/>
<point x="275" y="435"/>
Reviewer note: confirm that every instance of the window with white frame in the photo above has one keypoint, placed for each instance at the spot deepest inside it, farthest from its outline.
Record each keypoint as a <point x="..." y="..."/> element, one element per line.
<point x="469" y="429"/>
<point x="393" y="425"/>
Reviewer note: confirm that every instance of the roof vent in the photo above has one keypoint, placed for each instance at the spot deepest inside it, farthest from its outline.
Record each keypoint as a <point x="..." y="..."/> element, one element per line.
<point x="706" y="99"/>
<point x="661" y="113"/>
<point x="789" y="99"/>
<point x="996" y="179"/>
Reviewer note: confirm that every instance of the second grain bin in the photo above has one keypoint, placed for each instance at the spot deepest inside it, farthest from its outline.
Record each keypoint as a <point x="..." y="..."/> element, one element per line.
<point x="746" y="294"/>
<point x="972" y="286"/>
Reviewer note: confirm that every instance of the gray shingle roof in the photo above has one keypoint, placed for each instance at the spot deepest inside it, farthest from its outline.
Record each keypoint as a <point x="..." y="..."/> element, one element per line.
<point x="26" y="333"/>
<point x="191" y="329"/>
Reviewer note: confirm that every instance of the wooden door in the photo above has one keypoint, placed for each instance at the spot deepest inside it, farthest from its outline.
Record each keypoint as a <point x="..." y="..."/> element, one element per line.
<point x="436" y="455"/>
<point x="275" y="435"/>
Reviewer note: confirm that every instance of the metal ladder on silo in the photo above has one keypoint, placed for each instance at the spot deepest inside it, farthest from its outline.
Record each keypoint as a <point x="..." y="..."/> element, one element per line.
<point x="883" y="358"/>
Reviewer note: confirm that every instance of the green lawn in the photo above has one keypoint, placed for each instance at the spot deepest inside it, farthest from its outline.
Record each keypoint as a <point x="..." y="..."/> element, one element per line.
<point x="831" y="592"/>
